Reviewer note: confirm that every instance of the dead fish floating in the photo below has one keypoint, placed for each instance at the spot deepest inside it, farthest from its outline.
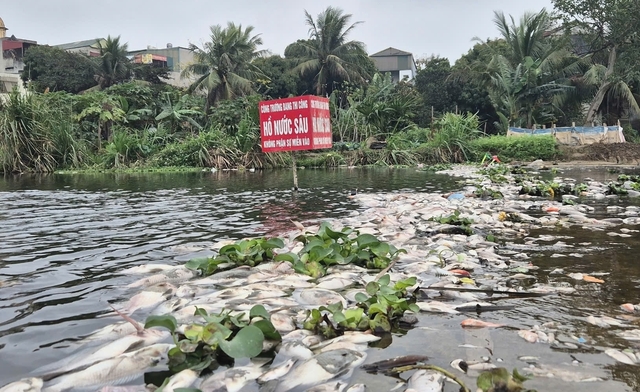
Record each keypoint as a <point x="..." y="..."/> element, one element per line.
<point x="473" y="323"/>
<point x="388" y="364"/>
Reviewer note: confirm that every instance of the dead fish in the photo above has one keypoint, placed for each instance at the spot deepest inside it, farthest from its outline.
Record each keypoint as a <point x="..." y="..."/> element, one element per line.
<point x="336" y="386"/>
<point x="353" y="337"/>
<point x="183" y="379"/>
<point x="148" y="269"/>
<point x="113" y="331"/>
<point x="388" y="364"/>
<point x="177" y="274"/>
<point x="294" y="349"/>
<point x="335" y="283"/>
<point x="603" y="321"/>
<point x="121" y="369"/>
<point x="107" y="351"/>
<point x="31" y="384"/>
<point x="317" y="297"/>
<point x="143" y="300"/>
<point x="557" y="372"/>
<point x="437" y="307"/>
<point x="283" y="322"/>
<point x="233" y="379"/>
<point x="632" y="335"/>
<point x="473" y="323"/>
<point x="624" y="357"/>
<point x="425" y="381"/>
<point x="322" y="368"/>
<point x="125" y="388"/>
<point x="631" y="308"/>
<point x="528" y="335"/>
<point x="277" y="372"/>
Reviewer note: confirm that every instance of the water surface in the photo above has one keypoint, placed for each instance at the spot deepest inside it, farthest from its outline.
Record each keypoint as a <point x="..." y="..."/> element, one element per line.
<point x="64" y="240"/>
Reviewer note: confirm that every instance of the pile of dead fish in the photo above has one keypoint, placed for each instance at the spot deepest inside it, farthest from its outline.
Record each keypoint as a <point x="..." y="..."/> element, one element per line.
<point x="455" y="272"/>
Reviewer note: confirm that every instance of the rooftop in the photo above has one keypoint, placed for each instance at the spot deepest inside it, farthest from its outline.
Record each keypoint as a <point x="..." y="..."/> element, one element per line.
<point x="391" y="52"/>
<point x="80" y="44"/>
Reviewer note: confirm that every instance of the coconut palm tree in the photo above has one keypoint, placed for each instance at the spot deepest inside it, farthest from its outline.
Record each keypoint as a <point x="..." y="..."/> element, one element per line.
<point x="525" y="80"/>
<point x="328" y="55"/>
<point x="112" y="66"/>
<point x="224" y="64"/>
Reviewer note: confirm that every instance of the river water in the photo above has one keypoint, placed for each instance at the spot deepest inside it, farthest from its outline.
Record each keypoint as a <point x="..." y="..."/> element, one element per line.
<point x="64" y="240"/>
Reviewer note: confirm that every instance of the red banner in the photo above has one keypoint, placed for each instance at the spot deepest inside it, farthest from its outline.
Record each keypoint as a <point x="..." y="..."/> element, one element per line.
<point x="300" y="123"/>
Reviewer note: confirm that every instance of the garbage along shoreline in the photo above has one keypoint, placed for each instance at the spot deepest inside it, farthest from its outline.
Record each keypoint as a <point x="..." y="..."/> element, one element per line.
<point x="451" y="252"/>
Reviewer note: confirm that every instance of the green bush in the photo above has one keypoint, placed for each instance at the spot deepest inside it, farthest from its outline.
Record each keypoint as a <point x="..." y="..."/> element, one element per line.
<point x="516" y="148"/>
<point x="193" y="151"/>
<point x="408" y="139"/>
<point x="451" y="141"/>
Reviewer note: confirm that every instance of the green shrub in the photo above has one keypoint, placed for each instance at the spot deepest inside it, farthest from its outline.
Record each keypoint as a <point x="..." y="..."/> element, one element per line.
<point x="193" y="151"/>
<point x="451" y="141"/>
<point x="516" y="148"/>
<point x="408" y="139"/>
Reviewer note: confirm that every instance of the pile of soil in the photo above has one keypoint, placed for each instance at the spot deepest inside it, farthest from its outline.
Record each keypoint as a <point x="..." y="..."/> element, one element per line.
<point x="620" y="153"/>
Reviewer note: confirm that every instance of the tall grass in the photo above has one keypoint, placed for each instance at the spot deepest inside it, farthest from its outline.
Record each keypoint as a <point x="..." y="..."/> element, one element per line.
<point x="25" y="139"/>
<point x="451" y="141"/>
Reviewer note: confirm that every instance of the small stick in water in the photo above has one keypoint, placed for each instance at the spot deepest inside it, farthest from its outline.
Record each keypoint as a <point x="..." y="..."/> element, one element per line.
<point x="133" y="322"/>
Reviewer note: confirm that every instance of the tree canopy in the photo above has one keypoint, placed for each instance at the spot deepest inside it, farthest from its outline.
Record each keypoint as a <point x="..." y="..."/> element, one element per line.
<point x="224" y="65"/>
<point x="47" y="67"/>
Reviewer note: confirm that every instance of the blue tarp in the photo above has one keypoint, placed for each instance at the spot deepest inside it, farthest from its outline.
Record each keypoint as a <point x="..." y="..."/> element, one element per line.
<point x="549" y="131"/>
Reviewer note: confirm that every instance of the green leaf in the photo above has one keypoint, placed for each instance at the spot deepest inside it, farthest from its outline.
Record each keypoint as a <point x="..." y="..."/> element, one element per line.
<point x="259" y="311"/>
<point x="270" y="332"/>
<point x="197" y="263"/>
<point x="193" y="332"/>
<point x="380" y="249"/>
<point x="372" y="288"/>
<point x="318" y="253"/>
<point x="377" y="308"/>
<point x="165" y="321"/>
<point x="365" y="240"/>
<point x="354" y="314"/>
<point x="361" y="297"/>
<point x="339" y="317"/>
<point x="384" y="280"/>
<point x="404" y="283"/>
<point x="380" y="323"/>
<point x="273" y="243"/>
<point x="335" y="235"/>
<point x="290" y="257"/>
<point x="229" y="249"/>
<point x="414" y="308"/>
<point x="246" y="344"/>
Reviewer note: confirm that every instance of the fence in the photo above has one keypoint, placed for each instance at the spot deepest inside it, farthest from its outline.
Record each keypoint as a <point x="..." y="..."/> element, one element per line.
<point x="572" y="136"/>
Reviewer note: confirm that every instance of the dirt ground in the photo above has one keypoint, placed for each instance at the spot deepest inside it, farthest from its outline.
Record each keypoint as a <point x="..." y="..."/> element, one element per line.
<point x="627" y="154"/>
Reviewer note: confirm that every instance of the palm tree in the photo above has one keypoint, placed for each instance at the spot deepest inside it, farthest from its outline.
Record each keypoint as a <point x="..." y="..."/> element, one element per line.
<point x="526" y="80"/>
<point x="328" y="56"/>
<point x="224" y="64"/>
<point x="113" y="65"/>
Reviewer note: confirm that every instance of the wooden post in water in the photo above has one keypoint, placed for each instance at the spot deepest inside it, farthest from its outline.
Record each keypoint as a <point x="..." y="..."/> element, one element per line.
<point x="295" y="171"/>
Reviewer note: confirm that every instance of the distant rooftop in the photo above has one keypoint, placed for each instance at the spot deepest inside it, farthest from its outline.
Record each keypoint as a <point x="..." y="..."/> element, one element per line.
<point x="391" y="52"/>
<point x="80" y="44"/>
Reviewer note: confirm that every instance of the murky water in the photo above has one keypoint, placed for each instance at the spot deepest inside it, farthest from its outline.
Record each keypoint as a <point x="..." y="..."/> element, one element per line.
<point x="65" y="238"/>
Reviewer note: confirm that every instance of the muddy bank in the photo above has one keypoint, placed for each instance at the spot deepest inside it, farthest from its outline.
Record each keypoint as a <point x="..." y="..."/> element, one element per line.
<point x="600" y="154"/>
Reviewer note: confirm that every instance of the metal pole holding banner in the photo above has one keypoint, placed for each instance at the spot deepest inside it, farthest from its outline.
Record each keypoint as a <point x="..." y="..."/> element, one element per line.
<point x="295" y="171"/>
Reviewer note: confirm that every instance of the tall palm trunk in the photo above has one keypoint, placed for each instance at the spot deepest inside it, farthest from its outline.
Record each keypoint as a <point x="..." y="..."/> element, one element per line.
<point x="602" y="91"/>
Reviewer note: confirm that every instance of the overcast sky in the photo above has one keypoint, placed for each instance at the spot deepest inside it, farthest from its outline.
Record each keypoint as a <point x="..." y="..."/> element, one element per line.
<point x="423" y="27"/>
